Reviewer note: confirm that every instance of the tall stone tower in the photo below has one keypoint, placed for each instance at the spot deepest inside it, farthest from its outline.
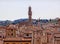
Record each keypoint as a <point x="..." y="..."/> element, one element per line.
<point x="30" y="14"/>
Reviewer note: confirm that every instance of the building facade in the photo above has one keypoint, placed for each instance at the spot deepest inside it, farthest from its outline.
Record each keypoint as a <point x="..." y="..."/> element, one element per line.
<point x="27" y="33"/>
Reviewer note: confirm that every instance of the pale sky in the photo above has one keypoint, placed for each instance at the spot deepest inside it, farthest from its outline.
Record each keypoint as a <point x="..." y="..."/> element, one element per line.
<point x="17" y="9"/>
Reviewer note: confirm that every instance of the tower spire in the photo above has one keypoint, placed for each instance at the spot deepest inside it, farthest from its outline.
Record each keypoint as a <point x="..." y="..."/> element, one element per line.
<point x="30" y="13"/>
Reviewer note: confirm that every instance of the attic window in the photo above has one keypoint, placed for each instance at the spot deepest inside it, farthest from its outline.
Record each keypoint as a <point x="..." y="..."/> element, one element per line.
<point x="12" y="34"/>
<point x="11" y="29"/>
<point x="28" y="35"/>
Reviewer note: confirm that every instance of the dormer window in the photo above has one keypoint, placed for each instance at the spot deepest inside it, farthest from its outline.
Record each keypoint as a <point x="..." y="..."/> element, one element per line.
<point x="11" y="34"/>
<point x="27" y="35"/>
<point x="11" y="29"/>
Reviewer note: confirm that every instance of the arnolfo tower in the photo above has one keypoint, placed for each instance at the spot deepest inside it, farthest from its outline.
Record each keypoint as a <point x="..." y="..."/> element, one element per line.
<point x="30" y="14"/>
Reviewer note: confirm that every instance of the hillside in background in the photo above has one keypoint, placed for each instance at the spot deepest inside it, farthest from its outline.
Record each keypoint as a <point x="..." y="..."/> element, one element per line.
<point x="34" y="21"/>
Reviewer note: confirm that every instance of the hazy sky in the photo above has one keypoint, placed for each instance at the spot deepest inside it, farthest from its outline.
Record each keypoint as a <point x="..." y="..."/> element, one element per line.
<point x="16" y="9"/>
